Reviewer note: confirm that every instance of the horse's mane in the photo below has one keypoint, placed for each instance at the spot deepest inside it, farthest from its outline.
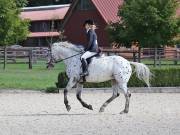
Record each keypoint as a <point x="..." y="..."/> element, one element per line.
<point x="71" y="46"/>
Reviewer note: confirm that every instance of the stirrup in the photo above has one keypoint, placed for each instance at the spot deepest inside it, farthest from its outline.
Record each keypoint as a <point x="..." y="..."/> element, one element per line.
<point x="84" y="74"/>
<point x="83" y="77"/>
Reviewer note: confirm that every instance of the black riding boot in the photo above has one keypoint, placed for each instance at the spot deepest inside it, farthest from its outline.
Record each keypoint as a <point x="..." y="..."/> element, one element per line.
<point x="84" y="67"/>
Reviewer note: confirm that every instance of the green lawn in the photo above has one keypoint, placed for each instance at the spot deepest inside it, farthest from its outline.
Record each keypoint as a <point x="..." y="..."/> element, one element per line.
<point x="161" y="64"/>
<point x="18" y="76"/>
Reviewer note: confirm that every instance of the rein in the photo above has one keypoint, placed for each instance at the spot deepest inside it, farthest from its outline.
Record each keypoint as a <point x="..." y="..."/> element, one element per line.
<point x="68" y="57"/>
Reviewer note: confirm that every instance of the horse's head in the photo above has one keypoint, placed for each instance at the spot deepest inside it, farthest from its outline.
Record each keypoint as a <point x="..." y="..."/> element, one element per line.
<point x="62" y="50"/>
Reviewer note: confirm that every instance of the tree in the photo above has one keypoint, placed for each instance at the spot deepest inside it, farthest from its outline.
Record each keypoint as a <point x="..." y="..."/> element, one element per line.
<point x="21" y="3"/>
<point x="12" y="28"/>
<point x="151" y="23"/>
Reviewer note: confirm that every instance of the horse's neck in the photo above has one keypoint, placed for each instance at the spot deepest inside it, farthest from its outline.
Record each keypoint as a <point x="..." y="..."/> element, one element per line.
<point x="71" y="58"/>
<point x="72" y="65"/>
<point x="68" y="62"/>
<point x="72" y="61"/>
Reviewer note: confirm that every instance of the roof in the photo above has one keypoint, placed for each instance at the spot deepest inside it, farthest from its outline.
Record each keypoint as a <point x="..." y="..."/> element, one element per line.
<point x="44" y="7"/>
<point x="108" y="9"/>
<point x="43" y="34"/>
<point x="36" y="14"/>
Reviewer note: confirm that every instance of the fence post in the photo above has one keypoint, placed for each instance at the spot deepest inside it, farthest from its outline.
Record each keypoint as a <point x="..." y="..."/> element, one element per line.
<point x="139" y="54"/>
<point x="30" y="59"/>
<point x="159" y="58"/>
<point x="5" y="57"/>
<point x="176" y="57"/>
<point x="134" y="56"/>
<point x="155" y="56"/>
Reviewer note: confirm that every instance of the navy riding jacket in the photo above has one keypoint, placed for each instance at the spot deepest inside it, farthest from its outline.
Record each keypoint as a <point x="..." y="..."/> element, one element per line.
<point x="92" y="45"/>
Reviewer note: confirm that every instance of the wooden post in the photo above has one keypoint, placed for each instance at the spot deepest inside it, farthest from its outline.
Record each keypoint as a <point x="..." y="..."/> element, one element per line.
<point x="155" y="56"/>
<point x="134" y="56"/>
<point x="176" y="57"/>
<point x="139" y="54"/>
<point x="30" y="59"/>
<point x="5" y="57"/>
<point x="178" y="54"/>
<point x="159" y="58"/>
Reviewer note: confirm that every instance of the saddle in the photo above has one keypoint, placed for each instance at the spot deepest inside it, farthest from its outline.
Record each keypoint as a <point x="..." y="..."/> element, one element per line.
<point x="99" y="53"/>
<point x="90" y="58"/>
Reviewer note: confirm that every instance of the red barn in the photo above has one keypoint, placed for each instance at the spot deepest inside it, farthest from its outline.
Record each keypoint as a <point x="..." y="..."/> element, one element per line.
<point x="101" y="11"/>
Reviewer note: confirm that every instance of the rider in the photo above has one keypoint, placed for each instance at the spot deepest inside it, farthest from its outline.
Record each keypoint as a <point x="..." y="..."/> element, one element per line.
<point x="92" y="45"/>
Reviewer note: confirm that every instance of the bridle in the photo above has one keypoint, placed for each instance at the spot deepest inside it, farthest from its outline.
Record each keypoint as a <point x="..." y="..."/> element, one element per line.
<point x="53" y="60"/>
<point x="57" y="61"/>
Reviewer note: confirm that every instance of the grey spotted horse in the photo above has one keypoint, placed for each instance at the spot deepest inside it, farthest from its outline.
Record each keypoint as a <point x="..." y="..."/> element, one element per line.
<point x="114" y="68"/>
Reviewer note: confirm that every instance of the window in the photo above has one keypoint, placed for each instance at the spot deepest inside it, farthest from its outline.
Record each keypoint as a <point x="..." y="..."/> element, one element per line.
<point x="55" y="25"/>
<point x="85" y="5"/>
<point x="40" y="26"/>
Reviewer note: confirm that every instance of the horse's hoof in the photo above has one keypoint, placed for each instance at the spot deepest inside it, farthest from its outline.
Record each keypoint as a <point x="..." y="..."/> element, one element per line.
<point x="90" y="107"/>
<point x="101" y="110"/>
<point x="123" y="112"/>
<point x="68" y="107"/>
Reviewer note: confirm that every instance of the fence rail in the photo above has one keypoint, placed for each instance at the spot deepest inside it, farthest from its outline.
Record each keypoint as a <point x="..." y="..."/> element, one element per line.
<point x="128" y="53"/>
<point x="33" y="54"/>
<point x="11" y="54"/>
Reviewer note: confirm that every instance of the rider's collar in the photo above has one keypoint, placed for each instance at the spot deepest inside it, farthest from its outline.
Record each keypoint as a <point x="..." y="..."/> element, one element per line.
<point x="87" y="30"/>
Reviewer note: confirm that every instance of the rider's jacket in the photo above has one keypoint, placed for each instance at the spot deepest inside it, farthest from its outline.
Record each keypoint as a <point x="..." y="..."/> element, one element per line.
<point x="92" y="45"/>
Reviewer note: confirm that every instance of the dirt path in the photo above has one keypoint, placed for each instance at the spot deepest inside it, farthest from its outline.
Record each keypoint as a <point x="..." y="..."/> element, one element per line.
<point x="45" y="114"/>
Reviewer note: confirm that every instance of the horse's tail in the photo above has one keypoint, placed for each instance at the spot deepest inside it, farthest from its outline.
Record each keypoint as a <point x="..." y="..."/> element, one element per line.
<point x="142" y="72"/>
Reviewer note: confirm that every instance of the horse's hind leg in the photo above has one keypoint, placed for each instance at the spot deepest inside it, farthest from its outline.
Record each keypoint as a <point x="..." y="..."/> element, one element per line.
<point x="127" y="95"/>
<point x="78" y="95"/>
<point x="115" y="95"/>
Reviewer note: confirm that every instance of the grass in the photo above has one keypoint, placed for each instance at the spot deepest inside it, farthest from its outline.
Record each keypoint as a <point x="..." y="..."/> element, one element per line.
<point x="163" y="63"/>
<point x="18" y="76"/>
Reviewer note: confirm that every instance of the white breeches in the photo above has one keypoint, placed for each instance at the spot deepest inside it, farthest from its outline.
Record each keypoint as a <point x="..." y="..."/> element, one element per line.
<point x="88" y="54"/>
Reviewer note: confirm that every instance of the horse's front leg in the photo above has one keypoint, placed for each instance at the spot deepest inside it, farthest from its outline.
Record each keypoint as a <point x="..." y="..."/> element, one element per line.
<point x="78" y="95"/>
<point x="69" y="86"/>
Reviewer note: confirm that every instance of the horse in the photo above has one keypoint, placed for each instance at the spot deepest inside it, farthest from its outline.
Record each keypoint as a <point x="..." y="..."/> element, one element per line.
<point x="115" y="68"/>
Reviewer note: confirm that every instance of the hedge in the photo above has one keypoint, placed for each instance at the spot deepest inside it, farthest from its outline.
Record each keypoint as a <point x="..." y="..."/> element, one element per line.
<point x="166" y="77"/>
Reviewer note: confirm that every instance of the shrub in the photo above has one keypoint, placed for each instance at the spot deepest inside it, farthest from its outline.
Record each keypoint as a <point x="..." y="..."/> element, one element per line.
<point x="166" y="77"/>
<point x="52" y="90"/>
<point x="62" y="80"/>
<point x="162" y="78"/>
